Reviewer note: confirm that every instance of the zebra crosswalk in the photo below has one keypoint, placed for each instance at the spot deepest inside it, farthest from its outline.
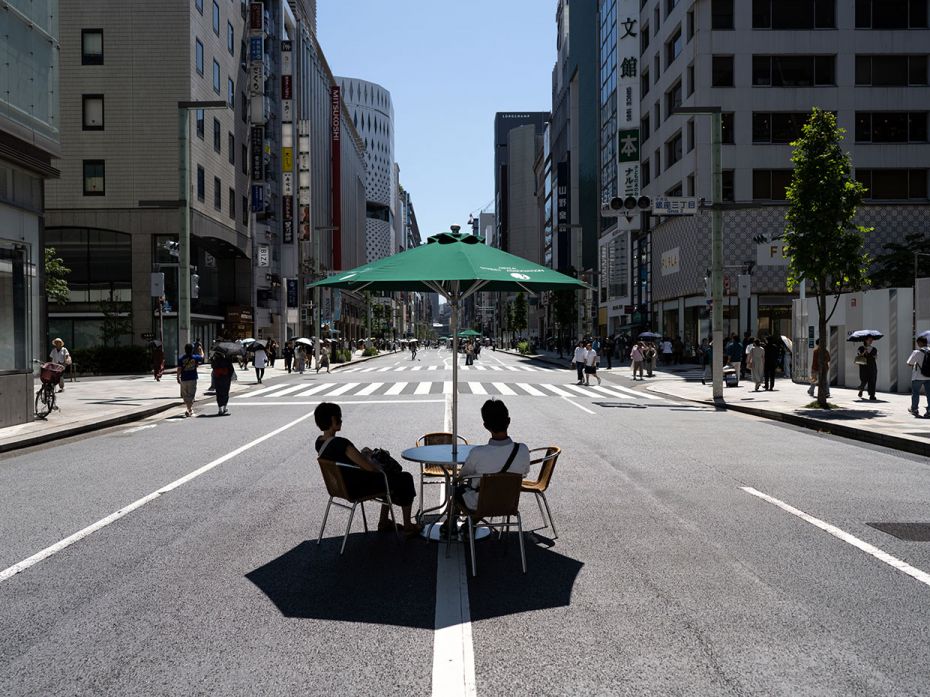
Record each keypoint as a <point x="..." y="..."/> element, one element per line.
<point x="438" y="387"/>
<point x="394" y="368"/>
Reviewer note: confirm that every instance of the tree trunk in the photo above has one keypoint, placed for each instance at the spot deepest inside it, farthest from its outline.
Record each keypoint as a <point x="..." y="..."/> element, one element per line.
<point x="823" y="368"/>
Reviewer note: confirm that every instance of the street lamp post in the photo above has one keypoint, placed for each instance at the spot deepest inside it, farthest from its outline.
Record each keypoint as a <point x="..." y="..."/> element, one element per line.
<point x="716" y="245"/>
<point x="184" y="235"/>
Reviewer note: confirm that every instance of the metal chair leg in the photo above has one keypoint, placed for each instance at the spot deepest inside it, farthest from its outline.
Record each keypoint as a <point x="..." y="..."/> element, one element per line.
<point x="364" y="519"/>
<point x="348" y="527"/>
<point x="555" y="534"/>
<point x="541" y="511"/>
<point x="325" y="518"/>
<point x="471" y="544"/>
<point x="522" y="551"/>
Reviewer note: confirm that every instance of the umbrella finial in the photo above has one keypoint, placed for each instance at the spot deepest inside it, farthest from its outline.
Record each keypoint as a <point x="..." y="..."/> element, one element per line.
<point x="455" y="228"/>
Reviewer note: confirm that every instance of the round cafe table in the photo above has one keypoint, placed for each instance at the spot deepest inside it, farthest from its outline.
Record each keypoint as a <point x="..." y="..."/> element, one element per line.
<point x="441" y="456"/>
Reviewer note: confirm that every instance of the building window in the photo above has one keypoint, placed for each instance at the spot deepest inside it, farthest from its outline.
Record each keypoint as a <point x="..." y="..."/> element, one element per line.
<point x="721" y="14"/>
<point x="201" y="183"/>
<point x="657" y="163"/>
<point x="891" y="14"/>
<point x="231" y="143"/>
<point x="673" y="150"/>
<point x="645" y="172"/>
<point x="244" y="164"/>
<point x="94" y="178"/>
<point x="198" y="118"/>
<point x="894" y="184"/>
<point x="673" y="99"/>
<point x="891" y="127"/>
<point x="675" y="190"/>
<point x="245" y="210"/>
<point x="770" y="184"/>
<point x="230" y="39"/>
<point x="217" y="194"/>
<point x="729" y="191"/>
<point x="643" y="84"/>
<point x="216" y="18"/>
<point x="644" y="128"/>
<point x="891" y="71"/>
<point x="231" y="93"/>
<point x="216" y="77"/>
<point x="722" y="71"/>
<point x="726" y="127"/>
<point x="644" y="39"/>
<point x="198" y="56"/>
<point x="669" y="6"/>
<point x="199" y="5"/>
<point x="691" y="142"/>
<point x="92" y="112"/>
<point x="690" y="188"/>
<point x="91" y="46"/>
<point x="217" y="135"/>
<point x="794" y="14"/>
<point x="793" y="71"/>
<point x="689" y="25"/>
<point x="656" y="67"/>
<point x="673" y="48"/>
<point x="232" y="204"/>
<point x="777" y="127"/>
<point x="690" y="79"/>
<point x="655" y="21"/>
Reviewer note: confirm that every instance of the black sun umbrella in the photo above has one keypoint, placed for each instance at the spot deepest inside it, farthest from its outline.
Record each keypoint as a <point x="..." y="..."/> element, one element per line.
<point x="863" y="334"/>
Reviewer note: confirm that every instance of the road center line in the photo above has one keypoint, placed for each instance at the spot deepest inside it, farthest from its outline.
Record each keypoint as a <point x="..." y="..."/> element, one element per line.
<point x="872" y="550"/>
<point x="453" y="650"/>
<point x="575" y="404"/>
<point x="103" y="522"/>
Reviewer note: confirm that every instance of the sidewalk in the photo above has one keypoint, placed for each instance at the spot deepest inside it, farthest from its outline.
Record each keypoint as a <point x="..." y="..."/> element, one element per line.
<point x="885" y="422"/>
<point x="93" y="403"/>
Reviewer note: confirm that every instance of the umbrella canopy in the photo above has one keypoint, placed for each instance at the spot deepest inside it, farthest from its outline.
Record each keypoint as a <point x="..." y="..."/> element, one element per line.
<point x="789" y="344"/>
<point x="230" y="348"/>
<point x="863" y="334"/>
<point x="257" y="344"/>
<point x="247" y="341"/>
<point x="455" y="265"/>
<point x="302" y="340"/>
<point x="924" y="335"/>
<point x="650" y="335"/>
<point x="469" y="332"/>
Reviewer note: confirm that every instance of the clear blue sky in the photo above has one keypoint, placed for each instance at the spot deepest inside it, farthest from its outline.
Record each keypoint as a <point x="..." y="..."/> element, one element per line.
<point x="449" y="65"/>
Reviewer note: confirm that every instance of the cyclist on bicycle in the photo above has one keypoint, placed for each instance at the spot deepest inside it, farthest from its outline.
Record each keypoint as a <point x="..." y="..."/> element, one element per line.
<point x="59" y="354"/>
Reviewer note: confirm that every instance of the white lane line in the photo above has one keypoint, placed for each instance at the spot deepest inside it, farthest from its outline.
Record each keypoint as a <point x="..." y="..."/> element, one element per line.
<point x="477" y="388"/>
<point x="423" y="388"/>
<point x="481" y="367"/>
<point x="341" y="389"/>
<point x="530" y="389"/>
<point x="314" y="390"/>
<point x="575" y="404"/>
<point x="557" y="390"/>
<point x="384" y="370"/>
<point x="263" y="391"/>
<point x="397" y="370"/>
<point x="635" y="393"/>
<point x="872" y="550"/>
<point x="579" y="389"/>
<point x="447" y="387"/>
<point x="341" y="401"/>
<point x="495" y="367"/>
<point x="513" y="368"/>
<point x="453" y="648"/>
<point x="610" y="392"/>
<point x="287" y="390"/>
<point x="139" y="428"/>
<point x="503" y="388"/>
<point x="368" y="389"/>
<point x="369" y="370"/>
<point x="103" y="522"/>
<point x="417" y="367"/>
<point x="396" y="389"/>
<point x="433" y="367"/>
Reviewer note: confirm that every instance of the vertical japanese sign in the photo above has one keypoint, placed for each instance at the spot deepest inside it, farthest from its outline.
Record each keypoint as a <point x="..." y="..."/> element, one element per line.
<point x="336" y="161"/>
<point x="303" y="182"/>
<point x="563" y="214"/>
<point x="628" y="158"/>
<point x="287" y="143"/>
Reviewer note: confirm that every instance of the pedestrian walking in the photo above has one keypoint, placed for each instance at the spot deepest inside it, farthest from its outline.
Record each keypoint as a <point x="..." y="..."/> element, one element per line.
<point x="755" y="359"/>
<point x="272" y="352"/>
<point x="158" y="361"/>
<point x="300" y="358"/>
<point x="60" y="355"/>
<point x="323" y="362"/>
<point x="868" y="368"/>
<point x="650" y="355"/>
<point x="772" y="356"/>
<point x="819" y="355"/>
<point x="707" y="360"/>
<point x="223" y="373"/>
<point x="667" y="351"/>
<point x="734" y="354"/>
<point x="578" y="361"/>
<point x="259" y="361"/>
<point x="637" y="358"/>
<point x="287" y="353"/>
<point x="590" y="364"/>
<point x="919" y="361"/>
<point x="609" y="347"/>
<point x="187" y="376"/>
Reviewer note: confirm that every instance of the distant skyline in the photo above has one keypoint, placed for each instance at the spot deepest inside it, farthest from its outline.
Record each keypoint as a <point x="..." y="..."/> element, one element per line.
<point x="449" y="66"/>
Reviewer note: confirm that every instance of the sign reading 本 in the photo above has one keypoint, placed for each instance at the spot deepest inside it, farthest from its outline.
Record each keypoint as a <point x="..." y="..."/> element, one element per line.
<point x="771" y="254"/>
<point x="671" y="261"/>
<point x="628" y="146"/>
<point x="674" y="205"/>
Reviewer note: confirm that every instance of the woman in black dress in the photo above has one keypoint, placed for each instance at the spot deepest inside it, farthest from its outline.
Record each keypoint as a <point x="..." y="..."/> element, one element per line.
<point x="868" y="370"/>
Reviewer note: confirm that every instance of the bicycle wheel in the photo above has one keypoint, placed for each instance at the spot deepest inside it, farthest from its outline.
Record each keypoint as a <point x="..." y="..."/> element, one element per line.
<point x="42" y="407"/>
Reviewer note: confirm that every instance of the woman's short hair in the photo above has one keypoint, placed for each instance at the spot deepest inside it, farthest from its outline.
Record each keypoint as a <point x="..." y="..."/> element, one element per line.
<point x="324" y="414"/>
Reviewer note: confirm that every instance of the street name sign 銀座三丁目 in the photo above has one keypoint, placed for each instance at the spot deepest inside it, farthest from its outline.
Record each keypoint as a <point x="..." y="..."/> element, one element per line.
<point x="674" y="205"/>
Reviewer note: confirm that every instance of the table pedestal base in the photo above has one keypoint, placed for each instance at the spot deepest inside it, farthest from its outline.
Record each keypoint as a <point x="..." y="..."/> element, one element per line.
<point x="434" y="532"/>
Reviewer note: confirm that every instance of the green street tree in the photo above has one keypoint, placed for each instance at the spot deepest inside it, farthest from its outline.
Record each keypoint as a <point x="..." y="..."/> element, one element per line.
<point x="823" y="246"/>
<point x="56" y="285"/>
<point x="519" y="313"/>
<point x="894" y="268"/>
<point x="508" y="318"/>
<point x="564" y="308"/>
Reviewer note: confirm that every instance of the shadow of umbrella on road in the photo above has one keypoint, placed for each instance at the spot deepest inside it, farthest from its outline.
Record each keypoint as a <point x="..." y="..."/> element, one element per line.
<point x="379" y="582"/>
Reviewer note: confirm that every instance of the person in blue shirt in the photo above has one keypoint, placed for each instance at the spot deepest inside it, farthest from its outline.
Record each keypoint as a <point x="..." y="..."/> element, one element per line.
<point x="187" y="376"/>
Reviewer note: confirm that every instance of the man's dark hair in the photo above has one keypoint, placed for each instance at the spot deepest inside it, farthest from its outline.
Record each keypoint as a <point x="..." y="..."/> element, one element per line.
<point x="921" y="341"/>
<point x="188" y="348"/>
<point x="324" y="414"/>
<point x="495" y="416"/>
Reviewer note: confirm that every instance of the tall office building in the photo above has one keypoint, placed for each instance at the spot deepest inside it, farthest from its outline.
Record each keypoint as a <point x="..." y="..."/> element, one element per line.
<point x="373" y="116"/>
<point x="766" y="63"/>
<point x="29" y="140"/>
<point x="513" y="170"/>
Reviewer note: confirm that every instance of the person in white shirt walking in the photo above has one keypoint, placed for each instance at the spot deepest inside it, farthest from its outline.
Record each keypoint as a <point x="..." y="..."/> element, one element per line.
<point x="590" y="364"/>
<point x="578" y="360"/>
<point x="259" y="361"/>
<point x="919" y="360"/>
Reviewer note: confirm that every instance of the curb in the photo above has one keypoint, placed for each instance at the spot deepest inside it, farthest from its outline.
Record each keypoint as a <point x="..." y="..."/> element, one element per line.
<point x="828" y="428"/>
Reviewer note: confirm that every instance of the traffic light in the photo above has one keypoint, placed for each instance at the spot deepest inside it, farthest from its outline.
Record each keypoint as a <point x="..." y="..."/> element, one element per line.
<point x="195" y="286"/>
<point x="616" y="206"/>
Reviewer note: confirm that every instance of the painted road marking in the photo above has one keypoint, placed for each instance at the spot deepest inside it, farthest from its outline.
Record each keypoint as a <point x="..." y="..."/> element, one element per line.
<point x="635" y="393"/>
<point x="530" y="389"/>
<point x="365" y="391"/>
<point x="503" y="388"/>
<point x="314" y="390"/>
<point x="423" y="388"/>
<point x="341" y="389"/>
<point x="575" y="404"/>
<point x="140" y="428"/>
<point x="286" y="390"/>
<point x="477" y="388"/>
<point x="579" y="389"/>
<point x="433" y="367"/>
<point x="103" y="522"/>
<point x="557" y="390"/>
<point x="610" y="392"/>
<point x="447" y="387"/>
<point x="396" y="388"/>
<point x="872" y="550"/>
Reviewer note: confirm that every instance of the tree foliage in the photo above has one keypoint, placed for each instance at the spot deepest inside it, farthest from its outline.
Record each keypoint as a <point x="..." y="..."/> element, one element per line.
<point x="117" y="321"/>
<point x="519" y="313"/>
<point x="823" y="246"/>
<point x="56" y="284"/>
<point x="894" y="268"/>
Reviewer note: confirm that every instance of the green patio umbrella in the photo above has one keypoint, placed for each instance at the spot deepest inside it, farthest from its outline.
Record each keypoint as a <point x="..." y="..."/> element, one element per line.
<point x="455" y="265"/>
<point x="469" y="332"/>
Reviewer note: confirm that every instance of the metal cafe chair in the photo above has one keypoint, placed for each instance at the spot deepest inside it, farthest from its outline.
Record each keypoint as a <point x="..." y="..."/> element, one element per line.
<point x="546" y="458"/>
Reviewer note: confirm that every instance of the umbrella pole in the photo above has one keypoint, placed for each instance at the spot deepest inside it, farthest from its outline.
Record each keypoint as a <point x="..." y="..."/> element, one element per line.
<point x="453" y="323"/>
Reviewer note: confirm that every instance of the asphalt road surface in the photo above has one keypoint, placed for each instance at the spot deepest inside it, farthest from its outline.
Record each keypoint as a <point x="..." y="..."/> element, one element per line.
<point x="699" y="553"/>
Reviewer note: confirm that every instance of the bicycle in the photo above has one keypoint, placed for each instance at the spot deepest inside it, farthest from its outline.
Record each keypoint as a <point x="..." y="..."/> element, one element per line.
<point x="50" y="375"/>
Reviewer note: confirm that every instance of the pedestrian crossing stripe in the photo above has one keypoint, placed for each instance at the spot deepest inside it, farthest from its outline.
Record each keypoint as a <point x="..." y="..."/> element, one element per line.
<point x="405" y="367"/>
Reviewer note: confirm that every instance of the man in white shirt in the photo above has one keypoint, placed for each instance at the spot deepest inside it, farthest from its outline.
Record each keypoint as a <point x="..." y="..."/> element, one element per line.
<point x="578" y="360"/>
<point x="918" y="379"/>
<point x="493" y="457"/>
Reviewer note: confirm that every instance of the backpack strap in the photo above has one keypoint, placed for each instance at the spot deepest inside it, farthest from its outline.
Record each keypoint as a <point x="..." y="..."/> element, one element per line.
<point x="513" y="454"/>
